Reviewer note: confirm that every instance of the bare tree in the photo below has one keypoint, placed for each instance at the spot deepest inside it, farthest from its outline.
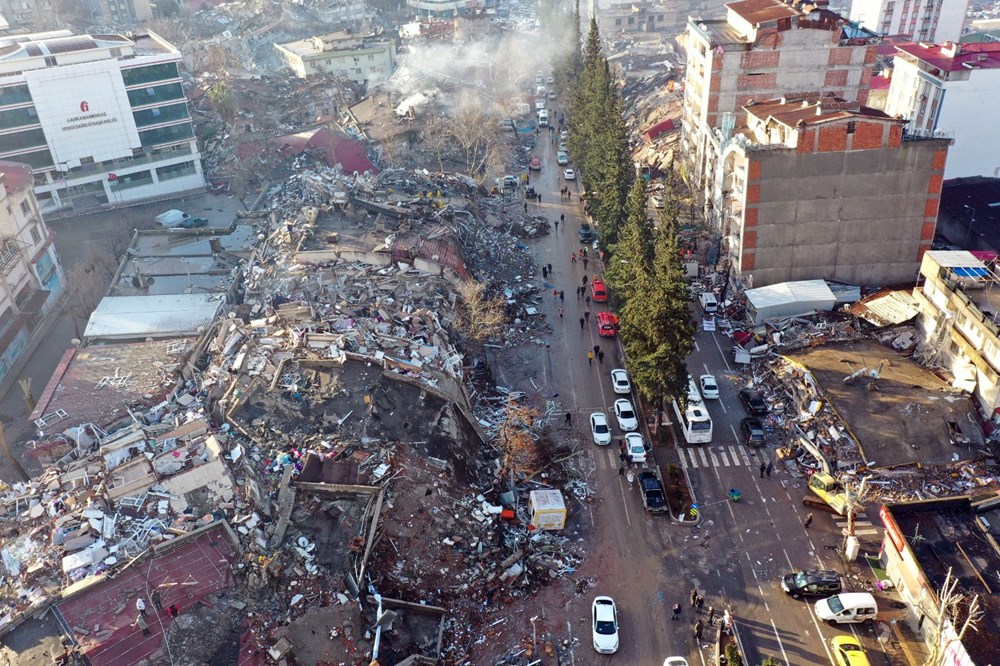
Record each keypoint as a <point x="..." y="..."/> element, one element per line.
<point x="474" y="129"/>
<point x="85" y="286"/>
<point x="954" y="615"/>
<point x="481" y="317"/>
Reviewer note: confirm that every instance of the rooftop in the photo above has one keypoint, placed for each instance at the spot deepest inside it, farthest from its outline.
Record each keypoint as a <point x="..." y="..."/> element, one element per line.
<point x="15" y="175"/>
<point x="762" y="11"/>
<point x="955" y="538"/>
<point x="811" y="110"/>
<point x="157" y="316"/>
<point x="99" y="384"/>
<point x="906" y="420"/>
<point x="953" y="57"/>
<point x="341" y="40"/>
<point x="975" y="278"/>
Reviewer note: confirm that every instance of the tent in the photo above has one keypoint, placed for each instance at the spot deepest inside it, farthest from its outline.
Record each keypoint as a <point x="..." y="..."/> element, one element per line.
<point x="788" y="299"/>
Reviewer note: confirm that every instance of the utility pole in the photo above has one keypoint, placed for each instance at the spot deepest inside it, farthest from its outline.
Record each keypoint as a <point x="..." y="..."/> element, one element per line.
<point x="854" y="503"/>
<point x="29" y="399"/>
<point x="15" y="463"/>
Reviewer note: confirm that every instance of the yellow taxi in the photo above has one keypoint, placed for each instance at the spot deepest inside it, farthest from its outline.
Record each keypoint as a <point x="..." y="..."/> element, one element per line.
<point x="848" y="652"/>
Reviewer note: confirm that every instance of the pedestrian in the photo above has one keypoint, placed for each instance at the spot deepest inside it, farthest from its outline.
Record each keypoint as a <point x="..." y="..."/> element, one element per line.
<point x="628" y="460"/>
<point x="545" y="272"/>
<point x="621" y="471"/>
<point x="600" y="357"/>
<point x="711" y="614"/>
<point x="590" y="361"/>
<point x="579" y="292"/>
<point x="573" y="257"/>
<point x="569" y="417"/>
<point x="586" y="315"/>
<point x="770" y="468"/>
<point x="694" y="596"/>
<point x="140" y="606"/>
<point x="699" y="626"/>
<point x="562" y="295"/>
<point x="585" y="279"/>
<point x="588" y="295"/>
<point x="569" y="194"/>
<point x="699" y="602"/>
<point x="538" y="198"/>
<point x="581" y="323"/>
<point x="809" y="520"/>
<point x="173" y="611"/>
<point x="562" y="217"/>
<point x="555" y="293"/>
<point x="557" y="225"/>
<point x="550" y="268"/>
<point x="155" y="596"/>
<point x="525" y="207"/>
<point x="677" y="612"/>
<point x="597" y="348"/>
<point x="763" y="468"/>
<point x="621" y="445"/>
<point x="623" y="456"/>
<point x="140" y="622"/>
<point x="584" y="250"/>
<point x="585" y="263"/>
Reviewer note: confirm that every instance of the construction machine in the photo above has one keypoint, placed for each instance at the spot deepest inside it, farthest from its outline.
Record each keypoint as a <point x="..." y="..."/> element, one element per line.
<point x="828" y="493"/>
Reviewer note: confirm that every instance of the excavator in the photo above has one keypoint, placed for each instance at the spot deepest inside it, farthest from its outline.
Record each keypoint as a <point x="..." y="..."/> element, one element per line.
<point x="828" y="493"/>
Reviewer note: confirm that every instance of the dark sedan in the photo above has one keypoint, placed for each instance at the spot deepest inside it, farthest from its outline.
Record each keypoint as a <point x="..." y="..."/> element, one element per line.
<point x="753" y="401"/>
<point x="753" y="431"/>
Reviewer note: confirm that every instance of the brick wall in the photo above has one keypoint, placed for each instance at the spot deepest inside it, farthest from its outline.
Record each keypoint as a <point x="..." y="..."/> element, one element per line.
<point x="760" y="60"/>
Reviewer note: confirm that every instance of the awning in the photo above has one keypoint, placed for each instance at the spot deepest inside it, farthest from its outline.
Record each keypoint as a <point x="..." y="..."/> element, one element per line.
<point x="35" y="302"/>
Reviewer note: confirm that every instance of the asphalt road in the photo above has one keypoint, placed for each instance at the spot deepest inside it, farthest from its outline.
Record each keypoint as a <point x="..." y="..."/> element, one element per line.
<point x="737" y="555"/>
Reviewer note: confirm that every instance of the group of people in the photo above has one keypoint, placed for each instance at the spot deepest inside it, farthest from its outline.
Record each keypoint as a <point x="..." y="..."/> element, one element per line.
<point x="697" y="603"/>
<point x="566" y="193"/>
<point x="173" y="610"/>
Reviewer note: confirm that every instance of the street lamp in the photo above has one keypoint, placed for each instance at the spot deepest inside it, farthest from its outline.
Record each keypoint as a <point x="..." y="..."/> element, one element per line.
<point x="972" y="221"/>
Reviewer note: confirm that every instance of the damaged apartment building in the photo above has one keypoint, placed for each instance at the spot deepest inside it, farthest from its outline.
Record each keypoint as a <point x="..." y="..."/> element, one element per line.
<point x="307" y="453"/>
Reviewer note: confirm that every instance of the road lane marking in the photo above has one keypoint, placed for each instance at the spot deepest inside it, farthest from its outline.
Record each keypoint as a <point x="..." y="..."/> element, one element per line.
<point x="819" y="632"/>
<point x="696" y="347"/>
<point x="785" y="656"/>
<point x="723" y="457"/>
<point x="704" y="460"/>
<point x="624" y="501"/>
<point x="788" y="559"/>
<point x="715" y="461"/>
<point x="708" y="371"/>
<point x="721" y="353"/>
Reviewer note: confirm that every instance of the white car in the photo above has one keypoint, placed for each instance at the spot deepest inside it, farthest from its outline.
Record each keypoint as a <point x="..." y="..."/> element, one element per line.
<point x="625" y="414"/>
<point x="550" y="80"/>
<point x="635" y="446"/>
<point x="620" y="382"/>
<point x="563" y="135"/>
<point x="675" y="661"/>
<point x="562" y="158"/>
<point x="709" y="387"/>
<point x="569" y="174"/>
<point x="599" y="429"/>
<point x="604" y="621"/>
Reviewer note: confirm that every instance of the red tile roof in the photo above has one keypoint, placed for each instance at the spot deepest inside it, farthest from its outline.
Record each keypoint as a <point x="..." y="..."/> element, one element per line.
<point x="880" y="83"/>
<point x="952" y="57"/>
<point x="762" y="11"/>
<point x="335" y="148"/>
<point x="811" y="110"/>
<point x="15" y="175"/>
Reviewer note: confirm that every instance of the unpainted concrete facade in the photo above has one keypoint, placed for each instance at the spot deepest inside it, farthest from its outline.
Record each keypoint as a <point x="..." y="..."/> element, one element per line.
<point x="742" y="57"/>
<point x="846" y="200"/>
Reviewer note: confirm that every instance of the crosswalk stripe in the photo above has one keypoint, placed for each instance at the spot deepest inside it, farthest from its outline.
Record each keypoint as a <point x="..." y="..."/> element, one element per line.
<point x="723" y="457"/>
<point x="684" y="460"/>
<point x="704" y="460"/>
<point x="711" y="456"/>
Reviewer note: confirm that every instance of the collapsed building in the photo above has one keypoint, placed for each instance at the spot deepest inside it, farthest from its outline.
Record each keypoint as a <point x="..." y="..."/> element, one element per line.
<point x="324" y="457"/>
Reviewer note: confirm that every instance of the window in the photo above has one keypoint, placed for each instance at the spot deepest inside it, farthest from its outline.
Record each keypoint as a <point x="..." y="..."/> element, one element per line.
<point x="851" y="126"/>
<point x="155" y="112"/>
<point x="35" y="236"/>
<point x="50" y="61"/>
<point x="618" y="21"/>
<point x="116" y="53"/>
<point x="26" y="207"/>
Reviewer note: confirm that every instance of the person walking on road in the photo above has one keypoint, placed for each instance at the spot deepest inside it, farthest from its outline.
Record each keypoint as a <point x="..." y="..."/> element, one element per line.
<point x="140" y="606"/>
<point x="809" y="520"/>
<point x="562" y="295"/>
<point x="545" y="272"/>
<point x="694" y="596"/>
<point x="581" y="323"/>
<point x="677" y="612"/>
<point x="525" y="207"/>
<point x="597" y="348"/>
<point x="586" y="315"/>
<point x="621" y="471"/>
<point x="699" y="626"/>
<point x="140" y="622"/>
<point x="590" y="361"/>
<point x="600" y="357"/>
<point x="585" y="260"/>
<point x="155" y="597"/>
<point x="699" y="602"/>
<point x="628" y="460"/>
<point x="569" y="418"/>
<point x="711" y="615"/>
<point x="770" y="468"/>
<point x="584" y="279"/>
<point x="763" y="468"/>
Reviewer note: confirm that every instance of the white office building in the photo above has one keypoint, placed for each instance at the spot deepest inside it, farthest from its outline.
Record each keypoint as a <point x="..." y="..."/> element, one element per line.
<point x="101" y="119"/>
<point x="920" y="20"/>
<point x="951" y="90"/>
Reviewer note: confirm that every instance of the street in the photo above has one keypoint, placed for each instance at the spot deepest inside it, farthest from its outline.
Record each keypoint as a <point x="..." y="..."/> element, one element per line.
<point x="737" y="555"/>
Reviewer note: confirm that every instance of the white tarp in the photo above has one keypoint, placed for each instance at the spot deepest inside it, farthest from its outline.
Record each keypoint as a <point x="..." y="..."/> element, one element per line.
<point x="789" y="299"/>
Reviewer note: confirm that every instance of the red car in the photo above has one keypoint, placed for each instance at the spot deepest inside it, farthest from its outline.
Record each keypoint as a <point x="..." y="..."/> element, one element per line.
<point x="536" y="164"/>
<point x="597" y="290"/>
<point x="607" y="324"/>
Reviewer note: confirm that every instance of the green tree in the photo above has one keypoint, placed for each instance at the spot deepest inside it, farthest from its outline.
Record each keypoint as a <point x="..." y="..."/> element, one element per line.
<point x="222" y="100"/>
<point x="632" y="256"/>
<point x="657" y="330"/>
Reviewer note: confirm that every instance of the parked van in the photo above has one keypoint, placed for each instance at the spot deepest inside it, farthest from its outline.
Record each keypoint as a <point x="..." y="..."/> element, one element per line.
<point x="708" y="303"/>
<point x="171" y="218"/>
<point x="543" y="118"/>
<point x="847" y="608"/>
